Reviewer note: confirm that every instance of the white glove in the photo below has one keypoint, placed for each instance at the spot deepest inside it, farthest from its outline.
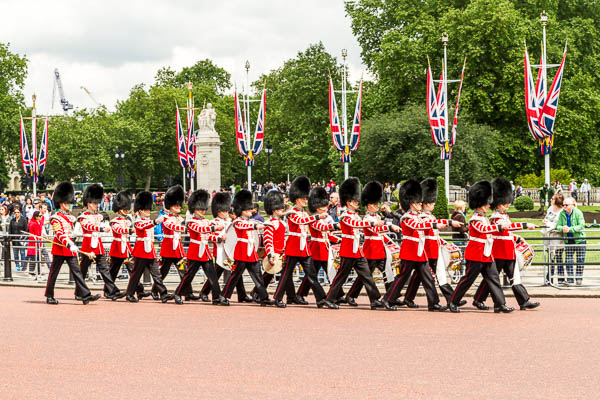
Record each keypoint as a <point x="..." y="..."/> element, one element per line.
<point x="74" y="248"/>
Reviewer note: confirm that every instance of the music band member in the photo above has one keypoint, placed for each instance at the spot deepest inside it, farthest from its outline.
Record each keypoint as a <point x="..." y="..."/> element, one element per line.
<point x="63" y="247"/>
<point x="144" y="255"/>
<point x="198" y="254"/>
<point x="91" y="226"/>
<point x="320" y="239"/>
<point x="412" y="248"/>
<point x="120" y="249"/>
<point x="351" y="255"/>
<point x="220" y="206"/>
<point x="245" y="256"/>
<point x="478" y="253"/>
<point x="503" y="249"/>
<point x="432" y="247"/>
<point x="171" y="249"/>
<point x="374" y="249"/>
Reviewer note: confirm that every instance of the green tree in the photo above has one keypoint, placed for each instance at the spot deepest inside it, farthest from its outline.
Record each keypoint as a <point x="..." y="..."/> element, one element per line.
<point x="440" y="210"/>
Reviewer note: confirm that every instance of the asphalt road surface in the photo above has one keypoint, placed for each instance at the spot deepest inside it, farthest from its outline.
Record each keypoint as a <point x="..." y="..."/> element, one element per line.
<point x="109" y="350"/>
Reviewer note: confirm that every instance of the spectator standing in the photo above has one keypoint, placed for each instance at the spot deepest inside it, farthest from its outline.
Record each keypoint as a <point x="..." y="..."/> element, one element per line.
<point x="255" y="214"/>
<point x="29" y="208"/>
<point x="18" y="224"/>
<point x="519" y="191"/>
<point x="572" y="224"/>
<point x="4" y="220"/>
<point x="573" y="189"/>
<point x="555" y="247"/>
<point x="35" y="228"/>
<point x="585" y="191"/>
<point x="460" y="233"/>
<point x="388" y="192"/>
<point x="334" y="206"/>
<point x="45" y="223"/>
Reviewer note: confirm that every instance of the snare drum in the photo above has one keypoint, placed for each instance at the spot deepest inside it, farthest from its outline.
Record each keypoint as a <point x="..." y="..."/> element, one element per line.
<point x="452" y="255"/>
<point x="524" y="254"/>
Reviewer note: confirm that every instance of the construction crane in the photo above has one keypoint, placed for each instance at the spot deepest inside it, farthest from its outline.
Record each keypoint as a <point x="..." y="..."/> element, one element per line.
<point x="90" y="94"/>
<point x="66" y="106"/>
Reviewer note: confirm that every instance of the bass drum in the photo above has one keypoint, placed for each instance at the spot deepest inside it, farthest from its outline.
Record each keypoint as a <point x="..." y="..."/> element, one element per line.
<point x="230" y="242"/>
<point x="453" y="259"/>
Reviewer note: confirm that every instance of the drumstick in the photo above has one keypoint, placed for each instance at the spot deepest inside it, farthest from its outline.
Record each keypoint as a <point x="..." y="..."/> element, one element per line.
<point x="91" y="256"/>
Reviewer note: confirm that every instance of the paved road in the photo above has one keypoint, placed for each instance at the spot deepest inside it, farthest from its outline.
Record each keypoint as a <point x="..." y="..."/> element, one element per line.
<point x="112" y="350"/>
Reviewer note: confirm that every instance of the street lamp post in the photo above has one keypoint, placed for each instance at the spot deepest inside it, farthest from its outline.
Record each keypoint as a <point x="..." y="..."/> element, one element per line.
<point x="268" y="150"/>
<point x="120" y="155"/>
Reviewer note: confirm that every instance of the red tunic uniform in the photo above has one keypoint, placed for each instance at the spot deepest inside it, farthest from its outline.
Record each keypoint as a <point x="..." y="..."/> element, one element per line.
<point x="373" y="247"/>
<point x="62" y="225"/>
<point x="274" y="237"/>
<point x="480" y="243"/>
<point x="120" y="247"/>
<point x="504" y="241"/>
<point x="414" y="230"/>
<point x="351" y="223"/>
<point x="245" y="247"/>
<point x="144" y="245"/>
<point x="91" y="227"/>
<point x="432" y="236"/>
<point x="297" y="241"/>
<point x="172" y="229"/>
<point x="320" y="239"/>
<point x="201" y="232"/>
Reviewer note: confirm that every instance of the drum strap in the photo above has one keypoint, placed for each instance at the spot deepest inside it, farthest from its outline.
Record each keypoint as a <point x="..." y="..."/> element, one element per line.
<point x="373" y="238"/>
<point x="250" y="246"/>
<point x="322" y="240"/>
<point x="355" y="241"/>
<point x="420" y="241"/>
<point x="487" y="248"/>
<point x="202" y="246"/>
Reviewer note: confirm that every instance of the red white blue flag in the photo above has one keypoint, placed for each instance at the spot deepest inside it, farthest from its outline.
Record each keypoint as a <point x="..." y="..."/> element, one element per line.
<point x="442" y="108"/>
<point x="181" y="145"/>
<point x="191" y="148"/>
<point x="259" y="134"/>
<point x="240" y="136"/>
<point x="43" y="150"/>
<point x="355" y="136"/>
<point x="532" y="100"/>
<point x="455" y="120"/>
<point x="432" y="110"/>
<point x="548" y="111"/>
<point x="25" y="157"/>
<point x="334" y="120"/>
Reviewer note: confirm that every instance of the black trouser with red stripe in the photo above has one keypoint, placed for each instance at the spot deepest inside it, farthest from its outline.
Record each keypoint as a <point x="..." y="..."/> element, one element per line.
<point x="508" y="266"/>
<point x="290" y="289"/>
<point x="165" y="268"/>
<point x="57" y="262"/>
<point x="361" y="266"/>
<point x="305" y="286"/>
<point x="139" y="266"/>
<point x="102" y="267"/>
<point x="421" y="268"/>
<point x="115" y="267"/>
<point x="489" y="273"/>
<point x="185" y="286"/>
<point x="415" y="281"/>
<point x="357" y="286"/>
<point x="254" y="272"/>
<point x="241" y="290"/>
<point x="309" y="271"/>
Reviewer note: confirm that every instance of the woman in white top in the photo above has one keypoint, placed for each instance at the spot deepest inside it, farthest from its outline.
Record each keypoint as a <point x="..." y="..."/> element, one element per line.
<point x="555" y="247"/>
<point x="29" y="208"/>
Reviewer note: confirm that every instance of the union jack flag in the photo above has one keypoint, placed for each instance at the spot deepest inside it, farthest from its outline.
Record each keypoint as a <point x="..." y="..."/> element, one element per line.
<point x="442" y="108"/>
<point x="355" y="137"/>
<point x="240" y="135"/>
<point x="181" y="145"/>
<point x="532" y="99"/>
<point x="432" y="109"/>
<point x="548" y="111"/>
<point x="334" y="120"/>
<point x="25" y="157"/>
<point x="191" y="148"/>
<point x="259" y="134"/>
<point x="43" y="150"/>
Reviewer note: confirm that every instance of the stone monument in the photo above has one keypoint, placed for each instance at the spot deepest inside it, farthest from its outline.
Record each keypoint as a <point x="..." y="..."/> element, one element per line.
<point x="208" y="151"/>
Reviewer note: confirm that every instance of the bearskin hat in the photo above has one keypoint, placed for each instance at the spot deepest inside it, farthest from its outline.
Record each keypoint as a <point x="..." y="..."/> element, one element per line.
<point x="501" y="192"/>
<point x="63" y="193"/>
<point x="122" y="201"/>
<point x="143" y="201"/>
<point x="174" y="197"/>
<point x="273" y="201"/>
<point x="480" y="194"/>
<point x="93" y="194"/>
<point x="242" y="201"/>
<point x="299" y="188"/>
<point x="372" y="193"/>
<point x="349" y="190"/>
<point x="317" y="198"/>
<point x="198" y="200"/>
<point x="220" y="202"/>
<point x="430" y="190"/>
<point x="410" y="192"/>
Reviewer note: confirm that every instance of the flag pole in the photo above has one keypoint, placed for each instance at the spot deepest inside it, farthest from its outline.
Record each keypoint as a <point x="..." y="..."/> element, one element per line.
<point x="447" y="99"/>
<point x="247" y="125"/>
<point x="544" y="20"/>
<point x="345" y="121"/>
<point x="33" y="156"/>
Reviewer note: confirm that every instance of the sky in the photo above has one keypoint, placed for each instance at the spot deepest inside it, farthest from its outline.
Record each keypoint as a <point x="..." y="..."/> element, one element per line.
<point x="109" y="46"/>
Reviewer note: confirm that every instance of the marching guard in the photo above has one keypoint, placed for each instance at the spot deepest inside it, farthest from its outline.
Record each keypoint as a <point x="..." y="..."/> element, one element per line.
<point x="120" y="249"/>
<point x="91" y="225"/>
<point x="171" y="249"/>
<point x="320" y="239"/>
<point x="351" y="254"/>
<point x="245" y="256"/>
<point x="503" y="249"/>
<point x="374" y="248"/>
<point x="144" y="255"/>
<point x="297" y="250"/>
<point x="412" y="248"/>
<point x="478" y="253"/>
<point x="220" y="207"/>
<point x="201" y="232"/>
<point x="432" y="247"/>
<point x="63" y="247"/>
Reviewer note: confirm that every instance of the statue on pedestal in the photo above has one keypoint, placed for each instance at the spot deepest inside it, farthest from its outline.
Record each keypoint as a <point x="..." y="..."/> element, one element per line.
<point x="206" y="119"/>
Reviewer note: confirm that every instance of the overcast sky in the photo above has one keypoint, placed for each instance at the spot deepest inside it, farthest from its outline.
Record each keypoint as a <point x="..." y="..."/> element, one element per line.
<point x="108" y="46"/>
